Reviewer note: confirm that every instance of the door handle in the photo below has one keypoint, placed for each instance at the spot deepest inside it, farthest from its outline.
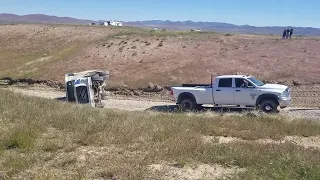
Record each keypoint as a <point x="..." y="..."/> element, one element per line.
<point x="238" y="90"/>
<point x="218" y="90"/>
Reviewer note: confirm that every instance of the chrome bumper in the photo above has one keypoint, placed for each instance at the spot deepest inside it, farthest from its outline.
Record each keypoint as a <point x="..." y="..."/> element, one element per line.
<point x="284" y="102"/>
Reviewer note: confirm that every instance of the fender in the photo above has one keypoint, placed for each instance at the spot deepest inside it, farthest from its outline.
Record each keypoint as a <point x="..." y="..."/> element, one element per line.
<point x="267" y="96"/>
<point x="185" y="95"/>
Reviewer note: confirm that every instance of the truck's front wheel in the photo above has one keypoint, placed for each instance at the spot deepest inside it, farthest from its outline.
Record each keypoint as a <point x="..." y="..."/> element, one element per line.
<point x="268" y="106"/>
<point x="187" y="104"/>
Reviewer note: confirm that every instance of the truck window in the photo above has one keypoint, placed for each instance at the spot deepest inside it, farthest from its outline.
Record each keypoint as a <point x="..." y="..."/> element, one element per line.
<point x="240" y="83"/>
<point x="227" y="82"/>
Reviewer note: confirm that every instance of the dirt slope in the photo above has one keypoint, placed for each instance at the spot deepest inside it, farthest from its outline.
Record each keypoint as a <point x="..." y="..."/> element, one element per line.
<point x="29" y="50"/>
<point x="136" y="57"/>
<point x="177" y="60"/>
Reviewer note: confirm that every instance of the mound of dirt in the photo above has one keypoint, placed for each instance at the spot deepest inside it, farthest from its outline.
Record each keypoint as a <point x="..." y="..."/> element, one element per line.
<point x="152" y="88"/>
<point x="30" y="82"/>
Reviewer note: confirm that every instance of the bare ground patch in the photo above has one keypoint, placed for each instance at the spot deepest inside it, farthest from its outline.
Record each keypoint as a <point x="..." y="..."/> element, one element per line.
<point x="193" y="172"/>
<point x="306" y="142"/>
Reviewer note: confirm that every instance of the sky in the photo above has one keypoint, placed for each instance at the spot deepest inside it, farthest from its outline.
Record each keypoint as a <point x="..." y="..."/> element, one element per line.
<point x="297" y="13"/>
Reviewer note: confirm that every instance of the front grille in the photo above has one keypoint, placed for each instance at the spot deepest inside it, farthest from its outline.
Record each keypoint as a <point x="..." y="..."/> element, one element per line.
<point x="82" y="95"/>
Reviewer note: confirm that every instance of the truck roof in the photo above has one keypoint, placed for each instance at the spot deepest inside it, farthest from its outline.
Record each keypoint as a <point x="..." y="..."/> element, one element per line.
<point x="233" y="76"/>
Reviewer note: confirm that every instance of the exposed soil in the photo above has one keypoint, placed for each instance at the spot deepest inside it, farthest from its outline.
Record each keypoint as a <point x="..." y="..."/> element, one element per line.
<point x="137" y="57"/>
<point x="306" y="142"/>
<point x="199" y="171"/>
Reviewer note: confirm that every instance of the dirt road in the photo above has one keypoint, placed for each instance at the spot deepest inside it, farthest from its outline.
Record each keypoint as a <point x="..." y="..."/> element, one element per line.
<point x="111" y="103"/>
<point x="132" y="104"/>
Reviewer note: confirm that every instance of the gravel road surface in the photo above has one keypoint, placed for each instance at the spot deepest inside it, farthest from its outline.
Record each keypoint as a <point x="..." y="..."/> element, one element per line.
<point x="132" y="104"/>
<point x="112" y="103"/>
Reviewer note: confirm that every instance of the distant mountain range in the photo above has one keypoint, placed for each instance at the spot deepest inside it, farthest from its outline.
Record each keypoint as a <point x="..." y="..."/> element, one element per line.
<point x="40" y="18"/>
<point x="177" y="25"/>
<point x="223" y="27"/>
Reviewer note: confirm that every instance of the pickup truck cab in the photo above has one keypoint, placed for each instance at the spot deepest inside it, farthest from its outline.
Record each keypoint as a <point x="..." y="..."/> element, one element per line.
<point x="234" y="90"/>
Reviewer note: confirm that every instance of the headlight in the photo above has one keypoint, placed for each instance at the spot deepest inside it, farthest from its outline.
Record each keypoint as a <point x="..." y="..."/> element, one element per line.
<point x="285" y="94"/>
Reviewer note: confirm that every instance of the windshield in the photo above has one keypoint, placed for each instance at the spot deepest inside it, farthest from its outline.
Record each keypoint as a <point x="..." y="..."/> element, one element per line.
<point x="256" y="81"/>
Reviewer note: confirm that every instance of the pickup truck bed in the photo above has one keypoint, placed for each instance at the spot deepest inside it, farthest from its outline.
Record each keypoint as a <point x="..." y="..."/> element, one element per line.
<point x="195" y="85"/>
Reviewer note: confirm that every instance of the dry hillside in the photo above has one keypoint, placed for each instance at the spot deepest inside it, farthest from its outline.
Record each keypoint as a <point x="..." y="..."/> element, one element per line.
<point x="136" y="57"/>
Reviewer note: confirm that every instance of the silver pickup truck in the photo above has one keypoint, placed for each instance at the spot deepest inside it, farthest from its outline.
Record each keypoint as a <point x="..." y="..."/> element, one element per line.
<point x="234" y="90"/>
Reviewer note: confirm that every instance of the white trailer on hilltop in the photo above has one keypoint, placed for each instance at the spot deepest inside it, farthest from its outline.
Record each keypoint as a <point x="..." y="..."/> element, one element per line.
<point x="86" y="87"/>
<point x="116" y="23"/>
<point x="111" y="23"/>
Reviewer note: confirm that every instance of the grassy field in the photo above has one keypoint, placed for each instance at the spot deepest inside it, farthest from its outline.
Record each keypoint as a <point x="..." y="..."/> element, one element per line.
<point x="46" y="139"/>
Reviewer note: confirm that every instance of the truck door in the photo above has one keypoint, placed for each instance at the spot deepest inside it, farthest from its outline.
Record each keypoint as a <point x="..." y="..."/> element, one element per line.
<point x="83" y="91"/>
<point x="70" y="95"/>
<point x="244" y="93"/>
<point x="223" y="93"/>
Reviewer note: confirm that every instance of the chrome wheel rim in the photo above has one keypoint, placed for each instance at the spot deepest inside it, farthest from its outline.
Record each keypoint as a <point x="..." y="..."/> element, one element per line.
<point x="268" y="108"/>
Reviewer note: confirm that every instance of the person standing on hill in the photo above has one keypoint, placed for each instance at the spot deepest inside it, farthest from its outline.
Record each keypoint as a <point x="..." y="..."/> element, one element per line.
<point x="291" y="32"/>
<point x="288" y="33"/>
<point x="284" y="35"/>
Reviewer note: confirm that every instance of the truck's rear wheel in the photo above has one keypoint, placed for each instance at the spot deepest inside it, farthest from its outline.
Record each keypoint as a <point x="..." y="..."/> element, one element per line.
<point x="268" y="106"/>
<point x="187" y="104"/>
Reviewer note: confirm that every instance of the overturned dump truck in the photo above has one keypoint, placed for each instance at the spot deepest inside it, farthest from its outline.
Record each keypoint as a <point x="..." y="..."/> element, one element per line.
<point x="86" y="87"/>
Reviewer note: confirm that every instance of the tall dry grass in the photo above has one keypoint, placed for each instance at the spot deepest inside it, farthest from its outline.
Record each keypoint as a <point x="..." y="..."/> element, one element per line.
<point x="46" y="139"/>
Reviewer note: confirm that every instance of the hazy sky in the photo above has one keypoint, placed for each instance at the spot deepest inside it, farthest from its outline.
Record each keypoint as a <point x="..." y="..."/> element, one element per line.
<point x="305" y="13"/>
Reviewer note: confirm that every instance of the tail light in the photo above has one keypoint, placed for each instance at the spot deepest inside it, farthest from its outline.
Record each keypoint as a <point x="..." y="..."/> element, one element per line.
<point x="171" y="92"/>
